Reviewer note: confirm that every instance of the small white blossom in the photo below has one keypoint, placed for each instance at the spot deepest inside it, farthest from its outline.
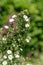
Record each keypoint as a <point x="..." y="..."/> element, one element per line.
<point x="10" y="57"/>
<point x="9" y="51"/>
<point x="6" y="27"/>
<point x="16" y="55"/>
<point x="28" y="64"/>
<point x="18" y="39"/>
<point x="4" y="39"/>
<point x="5" y="57"/>
<point x="11" y="20"/>
<point x="14" y="16"/>
<point x="27" y="40"/>
<point x="26" y="18"/>
<point x="15" y="64"/>
<point x="27" y="25"/>
<point x="4" y="63"/>
<point x="21" y="49"/>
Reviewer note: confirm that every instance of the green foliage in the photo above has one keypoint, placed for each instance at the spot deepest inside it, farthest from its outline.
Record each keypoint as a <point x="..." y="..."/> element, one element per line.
<point x="7" y="7"/>
<point x="35" y="12"/>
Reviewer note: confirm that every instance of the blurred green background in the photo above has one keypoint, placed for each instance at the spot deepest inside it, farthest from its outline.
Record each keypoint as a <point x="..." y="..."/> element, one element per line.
<point x="35" y="9"/>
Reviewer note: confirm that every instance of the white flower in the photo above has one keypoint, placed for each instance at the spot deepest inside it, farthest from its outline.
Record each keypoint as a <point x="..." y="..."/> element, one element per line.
<point x="5" y="57"/>
<point x="4" y="39"/>
<point x="9" y="51"/>
<point x="16" y="55"/>
<point x="15" y="64"/>
<point x="26" y="18"/>
<point x="21" y="49"/>
<point x="10" y="57"/>
<point x="18" y="39"/>
<point x="27" y="25"/>
<point x="14" y="16"/>
<point x="28" y="64"/>
<point x="11" y="20"/>
<point x="28" y="39"/>
<point x="6" y="27"/>
<point x="4" y="63"/>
